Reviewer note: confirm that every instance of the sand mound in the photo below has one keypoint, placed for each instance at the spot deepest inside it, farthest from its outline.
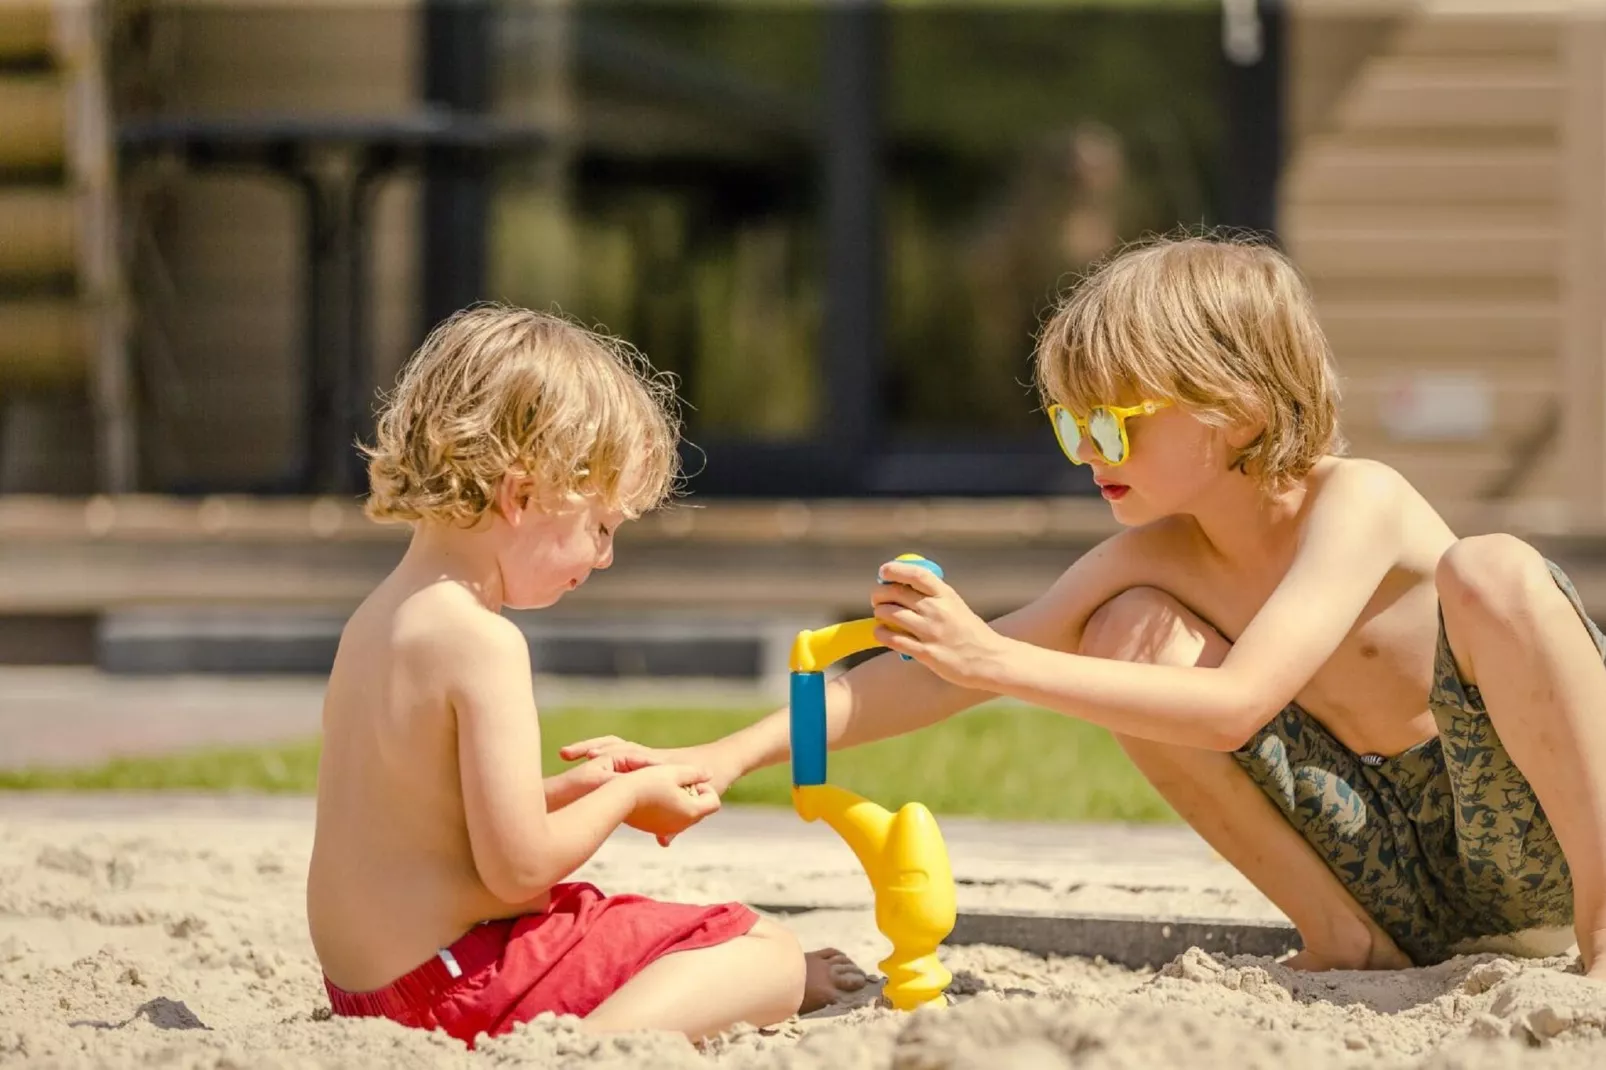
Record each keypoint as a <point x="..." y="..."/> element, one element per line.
<point x="126" y="948"/>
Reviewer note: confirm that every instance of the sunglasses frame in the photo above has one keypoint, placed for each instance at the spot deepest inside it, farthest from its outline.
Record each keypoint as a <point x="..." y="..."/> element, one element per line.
<point x="1122" y="414"/>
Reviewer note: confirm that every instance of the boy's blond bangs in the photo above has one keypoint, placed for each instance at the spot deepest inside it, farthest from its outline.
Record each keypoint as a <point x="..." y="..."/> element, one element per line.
<point x="1224" y="328"/>
<point x="496" y="391"/>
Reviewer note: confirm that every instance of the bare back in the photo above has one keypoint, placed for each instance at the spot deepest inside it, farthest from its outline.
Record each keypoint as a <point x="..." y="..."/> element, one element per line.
<point x="393" y="877"/>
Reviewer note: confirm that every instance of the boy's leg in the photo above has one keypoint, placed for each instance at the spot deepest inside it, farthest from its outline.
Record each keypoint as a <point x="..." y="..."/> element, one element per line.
<point x="1214" y="795"/>
<point x="1519" y="640"/>
<point x="760" y="978"/>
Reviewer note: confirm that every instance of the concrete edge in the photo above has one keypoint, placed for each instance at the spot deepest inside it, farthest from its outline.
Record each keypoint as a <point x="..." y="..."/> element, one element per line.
<point x="1125" y="939"/>
<point x="1129" y="940"/>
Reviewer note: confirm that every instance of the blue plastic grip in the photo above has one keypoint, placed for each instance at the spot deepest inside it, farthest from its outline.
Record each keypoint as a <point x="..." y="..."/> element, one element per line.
<point x="929" y="566"/>
<point x="808" y="728"/>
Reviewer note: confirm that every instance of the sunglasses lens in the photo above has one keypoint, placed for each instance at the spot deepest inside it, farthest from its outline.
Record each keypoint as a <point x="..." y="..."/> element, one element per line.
<point x="1105" y="428"/>
<point x="1068" y="433"/>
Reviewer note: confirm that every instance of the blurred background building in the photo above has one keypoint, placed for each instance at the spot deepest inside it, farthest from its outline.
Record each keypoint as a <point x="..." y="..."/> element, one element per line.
<point x="225" y="223"/>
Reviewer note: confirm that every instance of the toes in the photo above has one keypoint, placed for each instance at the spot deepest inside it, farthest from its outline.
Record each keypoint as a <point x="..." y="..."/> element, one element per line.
<point x="848" y="978"/>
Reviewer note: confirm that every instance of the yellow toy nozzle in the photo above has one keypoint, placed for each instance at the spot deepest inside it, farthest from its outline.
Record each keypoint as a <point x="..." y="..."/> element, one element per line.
<point x="813" y="650"/>
<point x="904" y="856"/>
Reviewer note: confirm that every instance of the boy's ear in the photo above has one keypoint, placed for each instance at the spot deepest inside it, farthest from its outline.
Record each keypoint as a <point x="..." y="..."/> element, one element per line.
<point x="513" y="496"/>
<point x="1243" y="433"/>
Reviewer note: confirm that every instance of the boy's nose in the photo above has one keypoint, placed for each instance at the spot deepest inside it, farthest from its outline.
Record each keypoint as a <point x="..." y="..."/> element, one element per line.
<point x="1086" y="452"/>
<point x="607" y="557"/>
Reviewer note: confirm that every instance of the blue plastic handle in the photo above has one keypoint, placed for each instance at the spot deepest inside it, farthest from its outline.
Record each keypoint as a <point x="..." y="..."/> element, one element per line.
<point x="808" y="728"/>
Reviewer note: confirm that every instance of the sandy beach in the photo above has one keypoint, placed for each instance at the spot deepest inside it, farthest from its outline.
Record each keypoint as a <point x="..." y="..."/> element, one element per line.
<point x="172" y="934"/>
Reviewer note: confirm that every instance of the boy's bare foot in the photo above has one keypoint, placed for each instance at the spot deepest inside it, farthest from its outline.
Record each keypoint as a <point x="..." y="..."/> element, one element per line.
<point x="831" y="974"/>
<point x="1368" y="948"/>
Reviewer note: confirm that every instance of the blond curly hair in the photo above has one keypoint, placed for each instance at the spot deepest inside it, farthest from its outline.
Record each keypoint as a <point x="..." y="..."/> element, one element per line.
<point x="495" y="391"/>
<point x="1221" y="325"/>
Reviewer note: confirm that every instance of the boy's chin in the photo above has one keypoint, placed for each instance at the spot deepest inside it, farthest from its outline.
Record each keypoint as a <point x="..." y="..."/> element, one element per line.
<point x="532" y="600"/>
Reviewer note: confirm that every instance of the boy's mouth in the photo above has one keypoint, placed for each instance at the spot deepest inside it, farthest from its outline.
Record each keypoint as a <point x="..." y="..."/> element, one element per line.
<point x="1113" y="492"/>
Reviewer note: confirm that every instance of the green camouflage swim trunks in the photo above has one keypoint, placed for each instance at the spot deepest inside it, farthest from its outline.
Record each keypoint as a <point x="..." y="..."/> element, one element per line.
<point x="1441" y="844"/>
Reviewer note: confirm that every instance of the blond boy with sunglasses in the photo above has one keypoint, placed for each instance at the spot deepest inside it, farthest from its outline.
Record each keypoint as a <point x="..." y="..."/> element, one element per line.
<point x="1399" y="736"/>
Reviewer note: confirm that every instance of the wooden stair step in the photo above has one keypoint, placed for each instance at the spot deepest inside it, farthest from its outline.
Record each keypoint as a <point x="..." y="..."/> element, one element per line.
<point x="45" y="342"/>
<point x="1516" y="404"/>
<point x="1497" y="36"/>
<point x="1398" y="93"/>
<point x="26" y="30"/>
<point x="1370" y="251"/>
<point x="1330" y="169"/>
<point x="34" y="133"/>
<point x="1406" y="329"/>
<point x="38" y="232"/>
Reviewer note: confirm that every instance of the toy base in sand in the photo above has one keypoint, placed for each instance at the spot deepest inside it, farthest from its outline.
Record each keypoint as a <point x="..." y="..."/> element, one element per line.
<point x="171" y="932"/>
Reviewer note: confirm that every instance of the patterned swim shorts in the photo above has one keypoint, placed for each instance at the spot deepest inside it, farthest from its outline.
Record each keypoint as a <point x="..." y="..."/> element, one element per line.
<point x="1442" y="844"/>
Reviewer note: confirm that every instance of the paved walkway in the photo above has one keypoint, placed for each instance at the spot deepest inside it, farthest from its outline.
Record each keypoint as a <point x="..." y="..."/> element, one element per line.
<point x="77" y="716"/>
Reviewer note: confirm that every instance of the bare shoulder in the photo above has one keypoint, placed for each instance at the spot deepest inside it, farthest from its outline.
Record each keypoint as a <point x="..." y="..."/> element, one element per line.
<point x="445" y="628"/>
<point x="1357" y="479"/>
<point x="1353" y="488"/>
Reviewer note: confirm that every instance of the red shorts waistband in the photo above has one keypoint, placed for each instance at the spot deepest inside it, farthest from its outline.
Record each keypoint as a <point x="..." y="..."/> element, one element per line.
<point x="421" y="987"/>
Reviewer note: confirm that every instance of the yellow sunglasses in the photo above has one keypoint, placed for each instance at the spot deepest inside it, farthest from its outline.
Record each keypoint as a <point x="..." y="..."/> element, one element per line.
<point x="1105" y="426"/>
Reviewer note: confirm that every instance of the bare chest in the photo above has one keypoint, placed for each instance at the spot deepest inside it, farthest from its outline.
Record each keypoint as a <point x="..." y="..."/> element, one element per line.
<point x="1372" y="693"/>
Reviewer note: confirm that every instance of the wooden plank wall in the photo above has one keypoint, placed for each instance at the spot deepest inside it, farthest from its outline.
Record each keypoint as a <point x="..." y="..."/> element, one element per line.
<point x="1439" y="164"/>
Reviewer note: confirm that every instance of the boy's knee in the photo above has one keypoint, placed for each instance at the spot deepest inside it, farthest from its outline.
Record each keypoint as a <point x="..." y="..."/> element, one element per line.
<point x="1145" y="624"/>
<point x="1491" y="575"/>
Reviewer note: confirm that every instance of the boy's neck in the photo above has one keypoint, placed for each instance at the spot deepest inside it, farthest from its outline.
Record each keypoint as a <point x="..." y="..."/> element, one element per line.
<point x="467" y="557"/>
<point x="1246" y="524"/>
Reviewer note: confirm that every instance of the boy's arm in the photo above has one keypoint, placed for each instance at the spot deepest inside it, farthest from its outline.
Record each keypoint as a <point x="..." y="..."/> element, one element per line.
<point x="1351" y="538"/>
<point x="576" y="783"/>
<point x="887" y="696"/>
<point x="520" y="848"/>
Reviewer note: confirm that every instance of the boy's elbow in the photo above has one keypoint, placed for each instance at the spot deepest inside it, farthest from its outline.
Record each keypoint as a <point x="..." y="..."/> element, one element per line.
<point x="1234" y="730"/>
<point x="511" y="879"/>
<point x="1231" y="737"/>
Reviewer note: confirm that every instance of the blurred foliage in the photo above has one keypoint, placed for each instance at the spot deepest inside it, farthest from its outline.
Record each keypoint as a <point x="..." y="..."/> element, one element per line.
<point x="1023" y="140"/>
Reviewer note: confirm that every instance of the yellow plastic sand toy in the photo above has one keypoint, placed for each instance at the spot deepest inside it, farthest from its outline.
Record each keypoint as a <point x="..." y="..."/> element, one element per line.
<point x="903" y="854"/>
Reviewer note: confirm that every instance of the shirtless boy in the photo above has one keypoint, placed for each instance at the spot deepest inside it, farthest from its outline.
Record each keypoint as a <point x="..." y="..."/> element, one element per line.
<point x="515" y="444"/>
<point x="1397" y="735"/>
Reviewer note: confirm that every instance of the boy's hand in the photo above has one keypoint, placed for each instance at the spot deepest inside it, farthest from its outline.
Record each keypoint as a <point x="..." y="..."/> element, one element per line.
<point x="670" y="799"/>
<point x="579" y="781"/>
<point x="627" y="757"/>
<point x="920" y="615"/>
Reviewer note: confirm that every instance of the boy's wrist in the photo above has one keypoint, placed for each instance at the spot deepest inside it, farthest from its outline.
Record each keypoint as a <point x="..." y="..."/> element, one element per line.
<point x="996" y="670"/>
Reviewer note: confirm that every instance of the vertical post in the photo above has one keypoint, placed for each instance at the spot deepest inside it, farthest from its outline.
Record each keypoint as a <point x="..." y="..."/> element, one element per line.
<point x="1583" y="275"/>
<point x="1254" y="33"/>
<point x="81" y="34"/>
<point x="854" y="261"/>
<point x="456" y="195"/>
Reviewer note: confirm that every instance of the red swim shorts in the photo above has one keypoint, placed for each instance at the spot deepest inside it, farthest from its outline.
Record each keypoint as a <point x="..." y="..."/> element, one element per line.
<point x="567" y="960"/>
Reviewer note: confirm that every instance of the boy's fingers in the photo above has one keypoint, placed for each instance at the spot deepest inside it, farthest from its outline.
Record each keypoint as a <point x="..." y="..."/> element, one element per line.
<point x="921" y="579"/>
<point x="893" y="595"/>
<point x="587" y="748"/>
<point x="688" y="775"/>
<point x="899" y="617"/>
<point x="898" y="641"/>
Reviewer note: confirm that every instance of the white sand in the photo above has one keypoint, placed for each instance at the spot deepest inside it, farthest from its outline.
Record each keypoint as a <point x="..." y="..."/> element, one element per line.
<point x="180" y="941"/>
